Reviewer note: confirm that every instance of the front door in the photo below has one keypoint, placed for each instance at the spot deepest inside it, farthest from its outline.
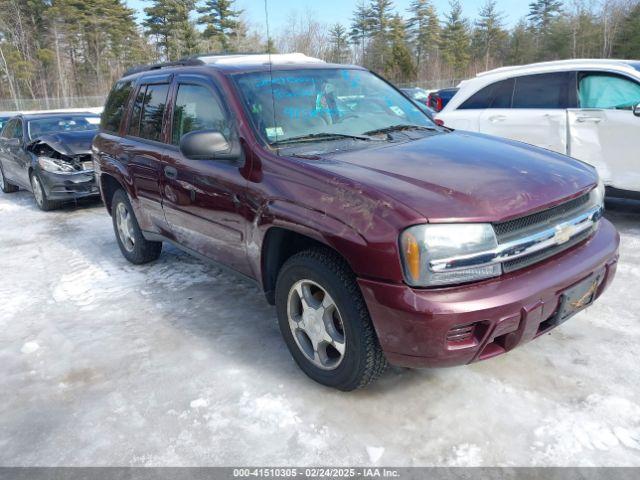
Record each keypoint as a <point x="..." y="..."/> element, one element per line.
<point x="603" y="131"/>
<point x="202" y="198"/>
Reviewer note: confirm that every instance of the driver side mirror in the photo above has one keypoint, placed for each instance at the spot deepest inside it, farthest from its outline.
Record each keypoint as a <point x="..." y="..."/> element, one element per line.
<point x="209" y="145"/>
<point x="14" y="142"/>
<point x="636" y="110"/>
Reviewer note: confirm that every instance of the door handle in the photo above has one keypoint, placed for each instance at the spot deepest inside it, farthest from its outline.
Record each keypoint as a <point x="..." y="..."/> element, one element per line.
<point x="171" y="172"/>
<point x="497" y="118"/>
<point x="586" y="119"/>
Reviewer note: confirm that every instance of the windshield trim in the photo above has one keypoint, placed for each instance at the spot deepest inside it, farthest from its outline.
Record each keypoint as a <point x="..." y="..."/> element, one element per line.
<point x="254" y="128"/>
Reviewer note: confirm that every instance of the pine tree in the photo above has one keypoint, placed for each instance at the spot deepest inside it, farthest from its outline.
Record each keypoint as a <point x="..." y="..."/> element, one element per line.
<point x="424" y="29"/>
<point x="222" y="22"/>
<point x="489" y="32"/>
<point x="399" y="64"/>
<point x="168" y="21"/>
<point x="380" y="16"/>
<point x="361" y="27"/>
<point x="339" y="49"/>
<point x="543" y="12"/>
<point x="455" y="40"/>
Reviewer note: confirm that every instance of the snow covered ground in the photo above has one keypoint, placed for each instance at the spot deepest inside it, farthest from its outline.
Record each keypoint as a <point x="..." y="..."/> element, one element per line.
<point x="177" y="363"/>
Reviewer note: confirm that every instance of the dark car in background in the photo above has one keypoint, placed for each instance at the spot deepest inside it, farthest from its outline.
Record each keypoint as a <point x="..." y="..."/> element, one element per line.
<point x="439" y="99"/>
<point x="49" y="155"/>
<point x="379" y="236"/>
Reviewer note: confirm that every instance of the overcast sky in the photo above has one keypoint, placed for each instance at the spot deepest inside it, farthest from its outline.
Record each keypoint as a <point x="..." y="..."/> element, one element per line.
<point x="332" y="11"/>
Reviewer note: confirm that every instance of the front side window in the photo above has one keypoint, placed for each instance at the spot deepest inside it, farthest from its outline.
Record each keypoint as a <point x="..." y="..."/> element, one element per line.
<point x="196" y="108"/>
<point x="115" y="106"/>
<point x="67" y="123"/>
<point x="547" y="90"/>
<point x="608" y="91"/>
<point x="320" y="102"/>
<point x="155" y="101"/>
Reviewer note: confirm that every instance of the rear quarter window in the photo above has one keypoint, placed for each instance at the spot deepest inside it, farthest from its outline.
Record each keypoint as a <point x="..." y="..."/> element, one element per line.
<point x="496" y="95"/>
<point x="115" y="106"/>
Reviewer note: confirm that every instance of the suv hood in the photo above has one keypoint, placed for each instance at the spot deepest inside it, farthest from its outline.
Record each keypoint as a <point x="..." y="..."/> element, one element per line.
<point x="465" y="177"/>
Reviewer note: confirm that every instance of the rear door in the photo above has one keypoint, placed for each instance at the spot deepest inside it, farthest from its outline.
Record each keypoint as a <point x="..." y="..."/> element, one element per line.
<point x="202" y="198"/>
<point x="603" y="131"/>
<point x="538" y="111"/>
<point x="143" y="148"/>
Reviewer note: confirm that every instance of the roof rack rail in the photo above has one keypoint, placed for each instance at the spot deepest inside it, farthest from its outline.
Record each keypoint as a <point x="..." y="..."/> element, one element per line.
<point x="185" y="62"/>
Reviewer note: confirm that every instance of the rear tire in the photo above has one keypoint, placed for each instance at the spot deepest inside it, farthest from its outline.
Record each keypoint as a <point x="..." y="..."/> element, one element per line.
<point x="42" y="201"/>
<point x="337" y="347"/>
<point x="134" y="247"/>
<point x="4" y="183"/>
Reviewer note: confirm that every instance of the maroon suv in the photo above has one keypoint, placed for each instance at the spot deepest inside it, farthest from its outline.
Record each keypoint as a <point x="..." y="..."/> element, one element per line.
<point x="379" y="236"/>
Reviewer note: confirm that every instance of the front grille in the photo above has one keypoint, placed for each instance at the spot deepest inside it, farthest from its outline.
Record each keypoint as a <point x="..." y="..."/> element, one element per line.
<point x="528" y="260"/>
<point x="520" y="227"/>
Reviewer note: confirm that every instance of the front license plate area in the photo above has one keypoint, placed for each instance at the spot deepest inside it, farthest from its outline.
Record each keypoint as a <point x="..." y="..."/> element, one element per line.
<point x="579" y="297"/>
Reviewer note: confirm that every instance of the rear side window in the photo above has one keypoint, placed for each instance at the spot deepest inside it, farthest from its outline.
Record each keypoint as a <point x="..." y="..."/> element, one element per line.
<point x="154" y="104"/>
<point x="496" y="95"/>
<point x="196" y="109"/>
<point x="608" y="91"/>
<point x="547" y="90"/>
<point x="115" y="106"/>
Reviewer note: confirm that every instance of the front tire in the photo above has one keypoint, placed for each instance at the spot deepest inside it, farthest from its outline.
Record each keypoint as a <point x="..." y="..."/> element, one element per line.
<point x="135" y="248"/>
<point x="4" y="183"/>
<point x="42" y="201"/>
<point x="325" y="322"/>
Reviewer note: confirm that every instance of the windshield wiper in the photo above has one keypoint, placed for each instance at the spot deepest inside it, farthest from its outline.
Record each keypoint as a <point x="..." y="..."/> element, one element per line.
<point x="314" y="137"/>
<point x="400" y="128"/>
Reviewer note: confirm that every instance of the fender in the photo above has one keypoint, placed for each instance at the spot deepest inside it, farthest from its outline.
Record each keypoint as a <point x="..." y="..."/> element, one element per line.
<point x="366" y="259"/>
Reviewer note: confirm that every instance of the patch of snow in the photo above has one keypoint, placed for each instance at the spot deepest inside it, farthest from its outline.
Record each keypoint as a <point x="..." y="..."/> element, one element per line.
<point x="199" y="403"/>
<point x="29" y="347"/>
<point x="375" y="453"/>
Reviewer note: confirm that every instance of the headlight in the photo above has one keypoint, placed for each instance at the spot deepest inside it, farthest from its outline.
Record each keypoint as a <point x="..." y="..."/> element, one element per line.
<point x="597" y="194"/>
<point x="55" y="165"/>
<point x="423" y="244"/>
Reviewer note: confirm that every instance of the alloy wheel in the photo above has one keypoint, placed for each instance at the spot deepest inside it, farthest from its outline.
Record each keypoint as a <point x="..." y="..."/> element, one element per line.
<point x="125" y="227"/>
<point x="316" y="324"/>
<point x="37" y="190"/>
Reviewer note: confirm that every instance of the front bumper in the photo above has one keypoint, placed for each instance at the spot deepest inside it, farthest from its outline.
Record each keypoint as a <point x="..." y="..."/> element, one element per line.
<point x="413" y="324"/>
<point x="68" y="186"/>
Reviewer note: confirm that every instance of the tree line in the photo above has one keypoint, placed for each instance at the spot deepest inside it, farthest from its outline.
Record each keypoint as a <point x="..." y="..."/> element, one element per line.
<point x="76" y="48"/>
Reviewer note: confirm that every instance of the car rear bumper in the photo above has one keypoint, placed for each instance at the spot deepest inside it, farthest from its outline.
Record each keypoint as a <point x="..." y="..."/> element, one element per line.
<point x="420" y="328"/>
<point x="60" y="186"/>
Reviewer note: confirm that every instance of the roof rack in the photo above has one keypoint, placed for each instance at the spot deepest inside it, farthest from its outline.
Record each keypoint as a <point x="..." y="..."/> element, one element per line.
<point x="185" y="62"/>
<point x="227" y="59"/>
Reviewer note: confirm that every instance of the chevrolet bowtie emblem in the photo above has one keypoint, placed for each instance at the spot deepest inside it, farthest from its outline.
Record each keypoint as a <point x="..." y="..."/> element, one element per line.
<point x="587" y="297"/>
<point x="564" y="233"/>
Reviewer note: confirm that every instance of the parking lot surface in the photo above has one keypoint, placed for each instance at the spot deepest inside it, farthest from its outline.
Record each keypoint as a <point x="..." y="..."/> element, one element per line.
<point x="178" y="363"/>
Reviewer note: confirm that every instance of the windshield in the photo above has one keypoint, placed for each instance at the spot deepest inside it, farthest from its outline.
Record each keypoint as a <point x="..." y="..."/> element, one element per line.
<point x="72" y="123"/>
<point x="318" y="103"/>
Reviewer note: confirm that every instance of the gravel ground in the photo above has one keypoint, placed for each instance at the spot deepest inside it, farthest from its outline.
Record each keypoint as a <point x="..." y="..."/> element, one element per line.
<point x="177" y="363"/>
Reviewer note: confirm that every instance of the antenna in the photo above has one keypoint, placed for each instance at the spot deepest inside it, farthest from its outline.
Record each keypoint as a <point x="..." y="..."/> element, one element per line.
<point x="273" y="99"/>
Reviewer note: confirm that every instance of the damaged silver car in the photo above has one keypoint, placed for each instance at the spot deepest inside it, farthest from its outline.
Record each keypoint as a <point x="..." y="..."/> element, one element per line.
<point x="49" y="155"/>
